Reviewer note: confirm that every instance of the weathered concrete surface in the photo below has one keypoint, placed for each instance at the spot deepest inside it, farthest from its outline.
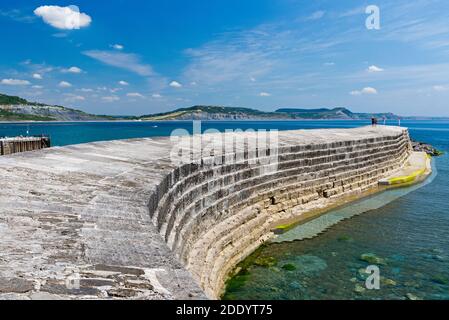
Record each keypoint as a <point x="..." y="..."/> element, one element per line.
<point x="83" y="210"/>
<point x="106" y="211"/>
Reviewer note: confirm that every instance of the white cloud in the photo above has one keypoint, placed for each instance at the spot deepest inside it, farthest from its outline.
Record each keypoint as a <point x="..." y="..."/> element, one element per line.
<point x="369" y="90"/>
<point x="440" y="88"/>
<point x="264" y="53"/>
<point x="37" y="87"/>
<point x="156" y="95"/>
<point x="353" y="12"/>
<point x="37" y="76"/>
<point x="123" y="83"/>
<point x="17" y="15"/>
<point x="329" y="64"/>
<point x="117" y="46"/>
<point x="134" y="95"/>
<point x="110" y="99"/>
<point x="127" y="61"/>
<point x="366" y="90"/>
<point x="74" y="98"/>
<point x="265" y="94"/>
<point x="252" y="79"/>
<point x="175" y="84"/>
<point x="86" y="90"/>
<point x="374" y="69"/>
<point x="15" y="82"/>
<point x="316" y="15"/>
<point x="60" y="35"/>
<point x="72" y="70"/>
<point x="67" y="18"/>
<point x="65" y="84"/>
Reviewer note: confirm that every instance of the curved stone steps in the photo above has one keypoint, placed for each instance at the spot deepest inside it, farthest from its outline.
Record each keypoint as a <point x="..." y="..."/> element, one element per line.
<point x="234" y="202"/>
<point x="218" y="187"/>
<point x="183" y="182"/>
<point x="254" y="186"/>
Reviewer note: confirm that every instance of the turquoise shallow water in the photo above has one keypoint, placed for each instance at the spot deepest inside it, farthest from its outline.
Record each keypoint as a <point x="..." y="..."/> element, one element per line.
<point x="313" y="228"/>
<point x="409" y="230"/>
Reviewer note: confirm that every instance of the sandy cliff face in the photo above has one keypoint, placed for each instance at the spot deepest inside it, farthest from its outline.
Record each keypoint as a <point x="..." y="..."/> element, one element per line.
<point x="54" y="112"/>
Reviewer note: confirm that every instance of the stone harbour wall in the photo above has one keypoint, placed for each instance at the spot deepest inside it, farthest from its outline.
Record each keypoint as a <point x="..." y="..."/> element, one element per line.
<point x="213" y="215"/>
<point x="122" y="220"/>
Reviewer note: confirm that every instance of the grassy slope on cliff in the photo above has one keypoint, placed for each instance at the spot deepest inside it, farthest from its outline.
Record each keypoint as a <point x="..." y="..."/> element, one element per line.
<point x="12" y="116"/>
<point x="10" y="111"/>
<point x="6" y="100"/>
<point x="213" y="112"/>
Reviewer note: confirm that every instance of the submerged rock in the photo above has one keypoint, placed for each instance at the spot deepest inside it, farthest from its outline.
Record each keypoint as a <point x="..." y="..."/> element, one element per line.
<point x="275" y="269"/>
<point x="411" y="296"/>
<point x="310" y="265"/>
<point x="359" y="289"/>
<point x="440" y="279"/>
<point x="362" y="274"/>
<point x="387" y="282"/>
<point x="265" y="262"/>
<point x="345" y="238"/>
<point x="289" y="267"/>
<point x="372" y="259"/>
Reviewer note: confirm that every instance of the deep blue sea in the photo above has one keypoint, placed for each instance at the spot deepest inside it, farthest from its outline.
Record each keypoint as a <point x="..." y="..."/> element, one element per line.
<point x="408" y="230"/>
<point x="65" y="133"/>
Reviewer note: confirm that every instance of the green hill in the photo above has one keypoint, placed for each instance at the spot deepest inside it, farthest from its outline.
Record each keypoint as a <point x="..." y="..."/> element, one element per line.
<point x="335" y="113"/>
<point x="209" y="113"/>
<point x="14" y="108"/>
<point x="11" y="100"/>
<point x="229" y="113"/>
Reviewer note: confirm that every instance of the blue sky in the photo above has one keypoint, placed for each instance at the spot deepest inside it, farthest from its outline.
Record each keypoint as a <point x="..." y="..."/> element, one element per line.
<point x="141" y="57"/>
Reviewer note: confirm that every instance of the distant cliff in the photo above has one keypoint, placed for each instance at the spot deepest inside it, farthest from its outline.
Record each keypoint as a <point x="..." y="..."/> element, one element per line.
<point x="18" y="109"/>
<point x="335" y="113"/>
<point x="229" y="113"/>
<point x="213" y="113"/>
<point x="14" y="108"/>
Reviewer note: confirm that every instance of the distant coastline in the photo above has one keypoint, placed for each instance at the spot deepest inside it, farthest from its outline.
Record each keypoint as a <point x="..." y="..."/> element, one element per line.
<point x="15" y="109"/>
<point x="211" y="120"/>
